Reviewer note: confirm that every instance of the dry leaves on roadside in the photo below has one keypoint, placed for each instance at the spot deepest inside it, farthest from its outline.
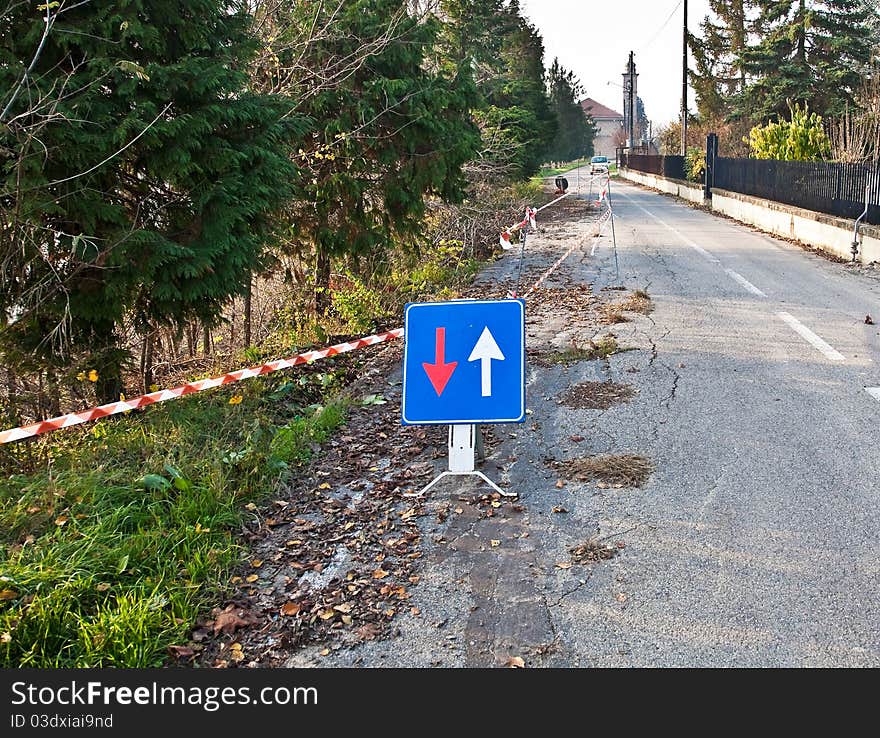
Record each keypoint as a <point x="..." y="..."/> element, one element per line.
<point x="231" y="619"/>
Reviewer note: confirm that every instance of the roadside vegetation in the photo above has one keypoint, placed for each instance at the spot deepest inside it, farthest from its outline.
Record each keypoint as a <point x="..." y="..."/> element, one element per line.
<point x="115" y="536"/>
<point x="795" y="81"/>
<point x="280" y="175"/>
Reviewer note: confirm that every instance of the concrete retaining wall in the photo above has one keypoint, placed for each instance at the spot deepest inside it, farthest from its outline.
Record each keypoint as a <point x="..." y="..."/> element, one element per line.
<point x="826" y="232"/>
<point x="685" y="190"/>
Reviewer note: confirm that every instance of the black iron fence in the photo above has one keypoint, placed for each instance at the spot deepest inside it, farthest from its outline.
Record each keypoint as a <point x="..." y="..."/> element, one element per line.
<point x="664" y="166"/>
<point x="825" y="187"/>
<point x="836" y="189"/>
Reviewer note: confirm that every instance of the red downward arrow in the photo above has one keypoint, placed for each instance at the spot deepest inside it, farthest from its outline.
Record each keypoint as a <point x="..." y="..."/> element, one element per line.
<point x="439" y="372"/>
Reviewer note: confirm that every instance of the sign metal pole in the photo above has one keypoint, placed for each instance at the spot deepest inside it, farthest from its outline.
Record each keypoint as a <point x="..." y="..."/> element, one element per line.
<point x="464" y="443"/>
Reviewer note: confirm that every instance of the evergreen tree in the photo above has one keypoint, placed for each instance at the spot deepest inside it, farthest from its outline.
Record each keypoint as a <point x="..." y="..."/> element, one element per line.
<point x="575" y="131"/>
<point x="810" y="51"/>
<point x="137" y="173"/>
<point x="392" y="132"/>
<point x="515" y="116"/>
<point x="720" y="73"/>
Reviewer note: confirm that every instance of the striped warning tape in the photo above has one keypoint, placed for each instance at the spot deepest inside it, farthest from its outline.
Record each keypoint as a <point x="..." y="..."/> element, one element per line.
<point x="602" y="222"/>
<point x="122" y="406"/>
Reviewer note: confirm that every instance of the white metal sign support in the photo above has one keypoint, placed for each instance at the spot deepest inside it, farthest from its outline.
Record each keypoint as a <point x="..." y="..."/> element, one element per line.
<point x="465" y="443"/>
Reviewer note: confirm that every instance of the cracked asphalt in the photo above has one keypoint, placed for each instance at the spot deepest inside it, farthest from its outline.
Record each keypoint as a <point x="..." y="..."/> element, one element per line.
<point x="754" y="542"/>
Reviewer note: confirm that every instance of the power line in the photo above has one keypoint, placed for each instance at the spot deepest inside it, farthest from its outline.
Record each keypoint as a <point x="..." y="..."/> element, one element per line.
<point x="660" y="30"/>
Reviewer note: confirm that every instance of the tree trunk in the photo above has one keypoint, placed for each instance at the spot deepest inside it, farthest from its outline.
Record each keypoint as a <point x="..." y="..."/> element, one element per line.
<point x="322" y="282"/>
<point x="147" y="361"/>
<point x="206" y="340"/>
<point x="248" y="299"/>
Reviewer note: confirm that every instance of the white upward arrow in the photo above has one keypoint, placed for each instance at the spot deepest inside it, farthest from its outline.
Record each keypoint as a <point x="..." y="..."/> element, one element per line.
<point x="486" y="350"/>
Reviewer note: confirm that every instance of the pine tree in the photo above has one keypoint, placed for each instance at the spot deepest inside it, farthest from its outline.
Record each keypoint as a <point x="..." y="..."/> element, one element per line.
<point x="394" y="131"/>
<point x="811" y="52"/>
<point x="507" y="54"/>
<point x="575" y="131"/>
<point x="144" y="196"/>
<point x="718" y="55"/>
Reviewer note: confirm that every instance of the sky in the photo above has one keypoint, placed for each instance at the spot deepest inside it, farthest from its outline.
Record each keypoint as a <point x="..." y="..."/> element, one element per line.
<point x="593" y="39"/>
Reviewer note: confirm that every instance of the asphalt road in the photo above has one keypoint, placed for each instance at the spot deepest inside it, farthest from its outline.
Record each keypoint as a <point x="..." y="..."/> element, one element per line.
<point x="755" y="541"/>
<point x="758" y="536"/>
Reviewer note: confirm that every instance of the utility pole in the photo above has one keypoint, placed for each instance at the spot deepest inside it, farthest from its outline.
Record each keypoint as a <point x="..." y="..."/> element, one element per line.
<point x="629" y="100"/>
<point x="684" y="82"/>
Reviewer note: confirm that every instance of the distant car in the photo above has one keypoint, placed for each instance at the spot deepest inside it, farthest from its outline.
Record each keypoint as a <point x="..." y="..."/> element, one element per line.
<point x="598" y="164"/>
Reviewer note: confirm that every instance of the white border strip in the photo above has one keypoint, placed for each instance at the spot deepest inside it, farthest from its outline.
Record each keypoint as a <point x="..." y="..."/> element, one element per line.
<point x="811" y="337"/>
<point x="740" y="279"/>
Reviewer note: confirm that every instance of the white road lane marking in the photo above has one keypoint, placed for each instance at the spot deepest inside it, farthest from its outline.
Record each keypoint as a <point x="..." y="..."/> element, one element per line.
<point x="740" y="279"/>
<point x="874" y="392"/>
<point x="811" y="337"/>
<point x="695" y="246"/>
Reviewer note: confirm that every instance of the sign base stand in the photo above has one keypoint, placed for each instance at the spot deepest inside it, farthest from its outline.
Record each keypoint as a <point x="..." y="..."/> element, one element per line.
<point x="465" y="444"/>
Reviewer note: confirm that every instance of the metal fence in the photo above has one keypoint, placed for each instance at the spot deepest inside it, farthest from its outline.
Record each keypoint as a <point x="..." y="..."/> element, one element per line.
<point x="664" y="166"/>
<point x="835" y="189"/>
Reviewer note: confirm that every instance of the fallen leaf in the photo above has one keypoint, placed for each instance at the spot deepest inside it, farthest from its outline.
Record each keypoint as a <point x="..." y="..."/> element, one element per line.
<point x="257" y="563"/>
<point x="237" y="656"/>
<point x="251" y="578"/>
<point x="347" y="619"/>
<point x="380" y="574"/>
<point x="231" y="619"/>
<point x="324" y="485"/>
<point x="61" y="520"/>
<point x="563" y="565"/>
<point x="576" y="439"/>
<point x="495" y="543"/>
<point x="415" y="611"/>
<point x="495" y="503"/>
<point x="103" y="587"/>
<point x="345" y="607"/>
<point x="559" y="509"/>
<point x="6" y="638"/>
<point x="181" y="652"/>
<point x="560" y="484"/>
<point x="368" y="631"/>
<point x="325" y="652"/>
<point x="515" y="662"/>
<point x="290" y="608"/>
<point x="326" y="614"/>
<point x="7" y="594"/>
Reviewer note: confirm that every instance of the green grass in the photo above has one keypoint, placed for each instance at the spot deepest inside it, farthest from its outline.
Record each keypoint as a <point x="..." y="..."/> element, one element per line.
<point x="600" y="349"/>
<point x="125" y="532"/>
<point x="115" y="537"/>
<point x="554" y="171"/>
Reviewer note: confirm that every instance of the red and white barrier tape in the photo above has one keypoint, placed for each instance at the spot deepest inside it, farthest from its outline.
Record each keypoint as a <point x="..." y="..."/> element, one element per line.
<point x="114" y="408"/>
<point x="606" y="218"/>
<point x="505" y="239"/>
<point x="124" y="406"/>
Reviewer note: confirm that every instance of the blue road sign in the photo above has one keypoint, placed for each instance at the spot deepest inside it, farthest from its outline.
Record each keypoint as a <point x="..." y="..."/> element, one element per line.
<point x="464" y="362"/>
